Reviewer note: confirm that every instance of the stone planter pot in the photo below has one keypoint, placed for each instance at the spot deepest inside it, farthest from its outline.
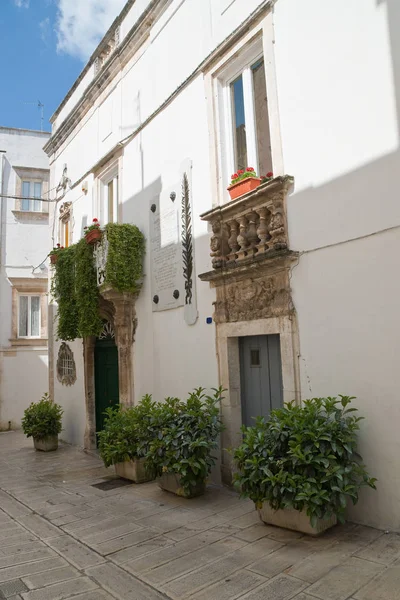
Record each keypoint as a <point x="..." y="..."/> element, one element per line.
<point x="289" y="518"/>
<point x="133" y="470"/>
<point x="53" y="258"/>
<point x="93" y="236"/>
<point x="170" y="482"/>
<point x="243" y="187"/>
<point x="47" y="444"/>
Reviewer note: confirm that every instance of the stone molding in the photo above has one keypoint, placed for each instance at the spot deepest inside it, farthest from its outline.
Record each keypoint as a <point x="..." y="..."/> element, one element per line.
<point x="119" y="309"/>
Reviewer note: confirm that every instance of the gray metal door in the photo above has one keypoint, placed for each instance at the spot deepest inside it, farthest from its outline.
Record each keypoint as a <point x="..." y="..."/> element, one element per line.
<point x="260" y="375"/>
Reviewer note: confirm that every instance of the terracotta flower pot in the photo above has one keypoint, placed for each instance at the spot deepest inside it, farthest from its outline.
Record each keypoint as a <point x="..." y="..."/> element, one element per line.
<point x="243" y="187"/>
<point x="53" y="258"/>
<point x="93" y="236"/>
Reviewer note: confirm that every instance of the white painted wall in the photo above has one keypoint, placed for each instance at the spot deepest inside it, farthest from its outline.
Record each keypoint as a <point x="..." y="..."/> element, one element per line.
<point x="23" y="246"/>
<point x="338" y="80"/>
<point x="339" y="122"/>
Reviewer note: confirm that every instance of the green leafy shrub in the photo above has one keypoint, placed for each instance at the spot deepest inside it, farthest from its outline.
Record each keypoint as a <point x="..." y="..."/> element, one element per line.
<point x="127" y="432"/>
<point x="303" y="457"/>
<point x="42" y="419"/>
<point x="187" y="432"/>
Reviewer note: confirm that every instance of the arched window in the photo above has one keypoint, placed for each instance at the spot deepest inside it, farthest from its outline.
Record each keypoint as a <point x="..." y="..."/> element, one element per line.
<point x="66" y="369"/>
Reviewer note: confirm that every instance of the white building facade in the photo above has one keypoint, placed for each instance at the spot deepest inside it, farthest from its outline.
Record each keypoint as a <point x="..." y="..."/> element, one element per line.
<point x="302" y="273"/>
<point x="24" y="222"/>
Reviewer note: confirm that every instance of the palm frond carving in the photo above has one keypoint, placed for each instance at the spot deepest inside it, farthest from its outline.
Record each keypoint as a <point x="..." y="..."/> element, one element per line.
<point x="187" y="240"/>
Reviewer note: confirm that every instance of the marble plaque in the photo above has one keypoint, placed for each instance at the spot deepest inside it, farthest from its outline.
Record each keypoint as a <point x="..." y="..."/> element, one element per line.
<point x="167" y="284"/>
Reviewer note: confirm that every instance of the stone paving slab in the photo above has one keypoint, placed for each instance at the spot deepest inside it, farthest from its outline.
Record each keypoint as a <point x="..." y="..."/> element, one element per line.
<point x="61" y="538"/>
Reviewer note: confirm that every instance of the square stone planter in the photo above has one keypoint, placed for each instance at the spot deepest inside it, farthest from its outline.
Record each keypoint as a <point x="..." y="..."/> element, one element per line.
<point x="133" y="470"/>
<point x="289" y="518"/>
<point x="170" y="482"/>
<point x="47" y="444"/>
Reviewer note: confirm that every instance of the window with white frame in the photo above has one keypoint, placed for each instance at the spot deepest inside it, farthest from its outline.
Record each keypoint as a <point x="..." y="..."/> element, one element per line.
<point x="109" y="197"/>
<point x="243" y="109"/>
<point x="110" y="201"/>
<point x="31" y="195"/>
<point x="29" y="316"/>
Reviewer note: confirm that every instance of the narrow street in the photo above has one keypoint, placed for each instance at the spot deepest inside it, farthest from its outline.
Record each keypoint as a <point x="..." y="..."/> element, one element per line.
<point x="63" y="537"/>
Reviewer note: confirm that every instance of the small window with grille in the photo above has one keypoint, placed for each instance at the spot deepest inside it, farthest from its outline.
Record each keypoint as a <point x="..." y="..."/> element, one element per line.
<point x="66" y="370"/>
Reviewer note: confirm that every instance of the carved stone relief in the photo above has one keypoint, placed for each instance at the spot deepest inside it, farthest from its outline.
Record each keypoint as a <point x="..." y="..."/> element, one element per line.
<point x="251" y="299"/>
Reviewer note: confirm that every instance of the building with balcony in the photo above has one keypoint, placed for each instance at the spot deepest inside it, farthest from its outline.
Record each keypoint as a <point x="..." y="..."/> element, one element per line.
<point x="287" y="292"/>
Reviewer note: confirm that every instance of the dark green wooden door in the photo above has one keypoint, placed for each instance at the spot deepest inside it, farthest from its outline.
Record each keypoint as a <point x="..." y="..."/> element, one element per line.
<point x="106" y="378"/>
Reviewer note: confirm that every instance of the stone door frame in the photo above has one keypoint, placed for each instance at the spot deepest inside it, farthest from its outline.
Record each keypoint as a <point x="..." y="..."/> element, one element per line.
<point x="228" y="335"/>
<point x="119" y="309"/>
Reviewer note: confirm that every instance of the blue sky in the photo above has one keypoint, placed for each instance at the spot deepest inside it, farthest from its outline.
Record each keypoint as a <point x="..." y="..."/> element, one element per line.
<point x="45" y="45"/>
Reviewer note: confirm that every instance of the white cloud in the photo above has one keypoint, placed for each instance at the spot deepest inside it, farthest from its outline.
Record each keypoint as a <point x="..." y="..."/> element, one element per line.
<point x="81" y="24"/>
<point x="22" y="3"/>
<point x="44" y="27"/>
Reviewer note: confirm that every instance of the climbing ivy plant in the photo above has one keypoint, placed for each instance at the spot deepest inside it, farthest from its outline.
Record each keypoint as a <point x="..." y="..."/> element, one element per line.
<point x="124" y="268"/>
<point x="74" y="284"/>
<point x="63" y="292"/>
<point x="86" y="291"/>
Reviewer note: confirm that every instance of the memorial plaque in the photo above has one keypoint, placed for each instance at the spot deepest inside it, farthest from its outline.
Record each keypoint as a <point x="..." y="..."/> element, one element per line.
<point x="167" y="284"/>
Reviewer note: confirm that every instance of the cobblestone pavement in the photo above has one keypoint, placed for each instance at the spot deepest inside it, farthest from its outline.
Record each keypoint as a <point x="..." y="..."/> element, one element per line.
<point x="60" y="537"/>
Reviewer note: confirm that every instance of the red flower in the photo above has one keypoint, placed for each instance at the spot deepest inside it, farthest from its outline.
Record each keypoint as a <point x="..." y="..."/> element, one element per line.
<point x="95" y="220"/>
<point x="240" y="172"/>
<point x="269" y="174"/>
<point x="62" y="247"/>
<point x="249" y="169"/>
<point x="58" y="245"/>
<point x="234" y="176"/>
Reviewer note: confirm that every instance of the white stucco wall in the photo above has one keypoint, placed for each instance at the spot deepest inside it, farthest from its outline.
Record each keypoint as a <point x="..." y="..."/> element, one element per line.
<point x="340" y="140"/>
<point x="23" y="246"/>
<point x="338" y="124"/>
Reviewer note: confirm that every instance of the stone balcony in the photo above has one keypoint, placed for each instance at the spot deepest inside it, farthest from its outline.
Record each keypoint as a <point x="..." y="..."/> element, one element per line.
<point x="251" y="227"/>
<point x="250" y="255"/>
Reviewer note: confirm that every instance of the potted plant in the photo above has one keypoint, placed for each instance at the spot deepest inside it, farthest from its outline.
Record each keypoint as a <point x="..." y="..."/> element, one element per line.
<point x="300" y="467"/>
<point x="268" y="177"/>
<point x="54" y="253"/>
<point x="124" y="441"/>
<point x="42" y="421"/>
<point x="93" y="232"/>
<point x="243" y="182"/>
<point x="180" y="454"/>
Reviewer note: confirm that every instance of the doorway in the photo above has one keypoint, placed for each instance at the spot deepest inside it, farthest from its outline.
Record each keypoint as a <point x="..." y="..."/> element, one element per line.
<point x="260" y="376"/>
<point x="105" y="375"/>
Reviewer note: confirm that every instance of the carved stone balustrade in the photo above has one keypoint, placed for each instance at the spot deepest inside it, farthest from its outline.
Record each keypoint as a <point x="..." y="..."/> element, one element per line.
<point x="250" y="227"/>
<point x="250" y="255"/>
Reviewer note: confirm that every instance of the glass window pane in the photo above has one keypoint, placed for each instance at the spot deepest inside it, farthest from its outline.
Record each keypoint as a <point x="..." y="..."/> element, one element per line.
<point x="262" y="119"/>
<point x="26" y="189"/>
<point x="35" y="311"/>
<point x="239" y="125"/>
<point x="110" y="204"/>
<point x="37" y="193"/>
<point x="23" y="316"/>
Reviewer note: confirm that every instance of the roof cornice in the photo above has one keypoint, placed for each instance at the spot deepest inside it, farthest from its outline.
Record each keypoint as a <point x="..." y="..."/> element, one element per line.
<point x="119" y="58"/>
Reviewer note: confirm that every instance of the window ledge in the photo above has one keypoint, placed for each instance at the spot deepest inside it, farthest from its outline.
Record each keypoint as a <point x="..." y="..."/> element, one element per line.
<point x="38" y="342"/>
<point x="30" y="215"/>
